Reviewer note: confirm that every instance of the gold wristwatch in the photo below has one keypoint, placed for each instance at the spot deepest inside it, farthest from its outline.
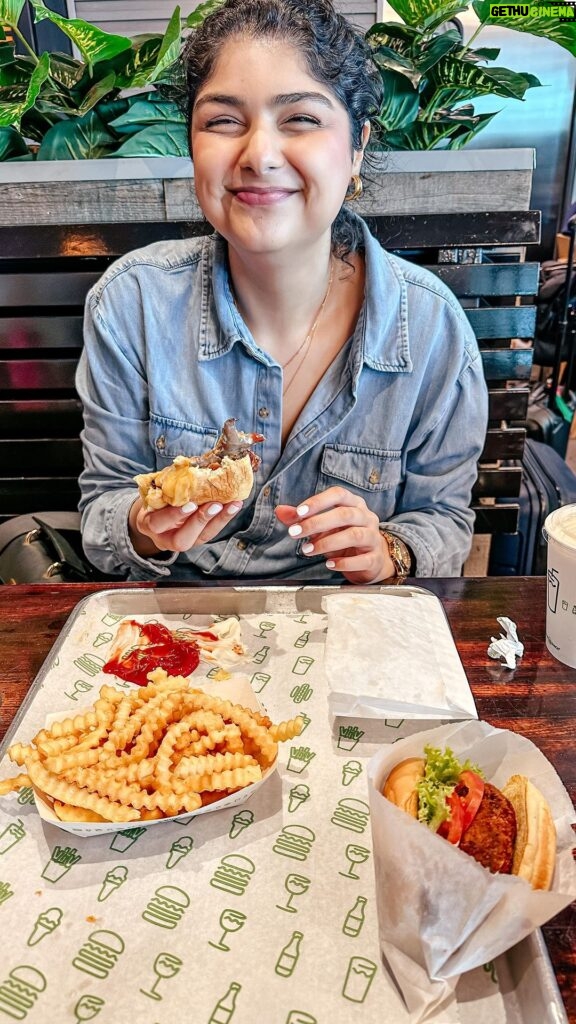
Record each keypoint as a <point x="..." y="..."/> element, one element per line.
<point x="399" y="553"/>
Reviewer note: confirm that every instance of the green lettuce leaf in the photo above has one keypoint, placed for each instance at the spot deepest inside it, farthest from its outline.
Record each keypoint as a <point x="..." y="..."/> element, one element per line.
<point x="441" y="774"/>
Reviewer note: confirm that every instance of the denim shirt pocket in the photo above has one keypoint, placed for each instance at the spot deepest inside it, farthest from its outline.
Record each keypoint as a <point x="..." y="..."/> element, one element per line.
<point x="170" y="438"/>
<point x="373" y="473"/>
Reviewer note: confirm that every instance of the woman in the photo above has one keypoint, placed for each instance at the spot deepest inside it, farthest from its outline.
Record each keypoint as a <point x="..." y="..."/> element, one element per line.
<point x="360" y="369"/>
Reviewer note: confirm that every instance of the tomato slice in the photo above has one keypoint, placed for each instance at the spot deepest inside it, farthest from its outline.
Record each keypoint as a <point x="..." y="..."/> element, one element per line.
<point x="452" y="828"/>
<point x="470" y="789"/>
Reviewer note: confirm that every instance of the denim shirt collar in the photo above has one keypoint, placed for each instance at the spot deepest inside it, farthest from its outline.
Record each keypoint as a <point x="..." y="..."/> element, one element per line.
<point x="381" y="336"/>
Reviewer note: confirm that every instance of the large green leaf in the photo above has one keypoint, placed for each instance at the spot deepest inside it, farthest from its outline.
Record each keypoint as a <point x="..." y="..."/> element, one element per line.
<point x="103" y="88"/>
<point x="427" y="14"/>
<point x="11" y="112"/>
<point x="93" y="43"/>
<point x="202" y="11"/>
<point x="169" y="51"/>
<point x="438" y="47"/>
<point x="386" y="59"/>
<point x="10" y="11"/>
<point x="157" y="140"/>
<point x="561" y="32"/>
<point x="451" y="72"/>
<point x="143" y="56"/>
<point x="401" y="102"/>
<point x="11" y="144"/>
<point x="144" y="113"/>
<point x="383" y="31"/>
<point x="420" y="135"/>
<point x="85" y="138"/>
<point x="66" y="71"/>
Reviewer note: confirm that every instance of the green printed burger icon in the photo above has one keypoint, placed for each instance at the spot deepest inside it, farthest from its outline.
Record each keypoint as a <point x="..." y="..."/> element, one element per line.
<point x="167" y="906"/>
<point x="233" y="874"/>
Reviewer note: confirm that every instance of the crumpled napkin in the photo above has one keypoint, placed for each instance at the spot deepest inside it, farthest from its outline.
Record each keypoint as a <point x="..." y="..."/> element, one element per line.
<point x="507" y="646"/>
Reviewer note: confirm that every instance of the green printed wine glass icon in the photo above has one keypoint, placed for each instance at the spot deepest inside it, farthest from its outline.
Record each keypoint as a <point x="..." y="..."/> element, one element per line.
<point x="265" y="627"/>
<point x="230" y="921"/>
<point x="295" y="885"/>
<point x="166" y="965"/>
<point x="80" y="686"/>
<point x="356" y="855"/>
<point x="87" y="1008"/>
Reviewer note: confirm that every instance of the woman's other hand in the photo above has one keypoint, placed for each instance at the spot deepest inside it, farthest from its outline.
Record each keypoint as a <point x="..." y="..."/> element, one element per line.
<point x="339" y="525"/>
<point x="177" y="529"/>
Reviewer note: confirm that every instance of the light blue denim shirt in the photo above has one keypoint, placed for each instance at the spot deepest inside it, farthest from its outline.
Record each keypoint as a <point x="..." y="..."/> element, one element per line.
<point x="399" y="418"/>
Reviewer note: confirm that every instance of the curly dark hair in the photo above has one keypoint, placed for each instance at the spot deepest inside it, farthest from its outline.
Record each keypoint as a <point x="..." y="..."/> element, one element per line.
<point x="336" y="55"/>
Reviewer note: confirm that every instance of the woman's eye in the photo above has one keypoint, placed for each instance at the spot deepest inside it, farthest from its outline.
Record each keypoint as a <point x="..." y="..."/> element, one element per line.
<point x="221" y="122"/>
<point x="303" y="119"/>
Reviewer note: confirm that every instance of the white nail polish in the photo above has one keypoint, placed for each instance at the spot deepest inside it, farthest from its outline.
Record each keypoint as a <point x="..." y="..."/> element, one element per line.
<point x="231" y="510"/>
<point x="302" y="510"/>
<point x="214" y="509"/>
<point x="307" y="548"/>
<point x="295" y="531"/>
<point x="330" y="564"/>
<point x="189" y="507"/>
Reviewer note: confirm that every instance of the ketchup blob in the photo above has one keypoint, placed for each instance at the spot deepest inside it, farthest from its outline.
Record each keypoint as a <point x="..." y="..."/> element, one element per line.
<point x="178" y="657"/>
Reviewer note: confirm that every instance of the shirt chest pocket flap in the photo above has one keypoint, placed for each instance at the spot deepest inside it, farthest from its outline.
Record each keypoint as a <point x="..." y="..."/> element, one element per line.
<point x="170" y="438"/>
<point x="370" y="470"/>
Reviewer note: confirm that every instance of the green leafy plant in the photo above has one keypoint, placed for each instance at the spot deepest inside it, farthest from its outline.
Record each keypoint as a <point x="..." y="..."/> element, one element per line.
<point x="105" y="103"/>
<point x="431" y="76"/>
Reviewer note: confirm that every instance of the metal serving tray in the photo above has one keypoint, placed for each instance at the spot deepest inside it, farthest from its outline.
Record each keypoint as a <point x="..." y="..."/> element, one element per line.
<point x="283" y="629"/>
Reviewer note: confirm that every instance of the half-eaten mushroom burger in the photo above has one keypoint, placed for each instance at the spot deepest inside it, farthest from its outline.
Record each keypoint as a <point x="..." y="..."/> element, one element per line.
<point x="510" y="831"/>
<point x="224" y="473"/>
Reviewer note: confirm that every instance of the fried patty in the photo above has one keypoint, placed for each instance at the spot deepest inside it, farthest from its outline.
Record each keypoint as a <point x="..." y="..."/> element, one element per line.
<point x="491" y="836"/>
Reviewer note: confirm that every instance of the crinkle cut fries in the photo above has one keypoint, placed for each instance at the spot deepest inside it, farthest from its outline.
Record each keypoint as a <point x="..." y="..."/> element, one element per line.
<point x="160" y="750"/>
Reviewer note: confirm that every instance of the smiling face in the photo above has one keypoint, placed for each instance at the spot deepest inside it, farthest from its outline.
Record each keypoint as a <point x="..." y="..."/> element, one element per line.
<point x="271" y="148"/>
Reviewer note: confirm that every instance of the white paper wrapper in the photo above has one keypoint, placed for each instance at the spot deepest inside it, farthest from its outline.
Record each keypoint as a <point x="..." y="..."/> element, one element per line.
<point x="239" y="691"/>
<point x="394" y="656"/>
<point x="440" y="913"/>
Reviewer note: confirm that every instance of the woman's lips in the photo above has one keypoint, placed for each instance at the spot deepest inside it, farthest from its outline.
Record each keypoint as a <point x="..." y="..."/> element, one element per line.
<point x="262" y="197"/>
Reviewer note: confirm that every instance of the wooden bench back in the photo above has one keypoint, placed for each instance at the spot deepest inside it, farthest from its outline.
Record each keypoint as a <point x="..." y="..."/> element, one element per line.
<point x="46" y="271"/>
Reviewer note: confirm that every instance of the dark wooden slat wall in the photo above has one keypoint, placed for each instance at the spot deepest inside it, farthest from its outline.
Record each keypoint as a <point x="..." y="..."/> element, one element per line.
<point x="45" y="273"/>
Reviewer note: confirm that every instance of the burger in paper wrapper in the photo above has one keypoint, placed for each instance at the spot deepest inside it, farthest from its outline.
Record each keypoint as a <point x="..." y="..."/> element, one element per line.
<point x="440" y="912"/>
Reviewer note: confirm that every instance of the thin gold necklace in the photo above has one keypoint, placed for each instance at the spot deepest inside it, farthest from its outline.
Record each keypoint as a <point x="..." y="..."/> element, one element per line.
<point x="308" y="339"/>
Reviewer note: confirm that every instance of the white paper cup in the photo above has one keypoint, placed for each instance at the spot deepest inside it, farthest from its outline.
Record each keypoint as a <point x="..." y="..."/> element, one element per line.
<point x="560" y="533"/>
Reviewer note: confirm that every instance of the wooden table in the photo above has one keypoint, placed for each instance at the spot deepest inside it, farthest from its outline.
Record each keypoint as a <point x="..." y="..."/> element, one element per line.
<point x="537" y="699"/>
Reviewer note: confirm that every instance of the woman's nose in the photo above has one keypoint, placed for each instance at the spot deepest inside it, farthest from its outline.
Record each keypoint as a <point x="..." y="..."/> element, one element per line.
<point x="262" y="150"/>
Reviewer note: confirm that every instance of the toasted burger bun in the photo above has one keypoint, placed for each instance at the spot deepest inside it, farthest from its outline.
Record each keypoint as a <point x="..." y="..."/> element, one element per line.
<point x="182" y="482"/>
<point x="535" y="847"/>
<point x="534" y="851"/>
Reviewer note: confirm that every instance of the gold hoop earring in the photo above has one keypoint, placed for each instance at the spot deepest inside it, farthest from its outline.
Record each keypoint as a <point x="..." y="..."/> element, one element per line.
<point x="357" y="189"/>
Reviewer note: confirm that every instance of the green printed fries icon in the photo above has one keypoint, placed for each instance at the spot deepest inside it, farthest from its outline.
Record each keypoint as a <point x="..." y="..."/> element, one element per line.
<point x="302" y="692"/>
<point x="299" y="759"/>
<point x="5" y="892"/>
<point x="61" y="860"/>
<point x="348" y="736"/>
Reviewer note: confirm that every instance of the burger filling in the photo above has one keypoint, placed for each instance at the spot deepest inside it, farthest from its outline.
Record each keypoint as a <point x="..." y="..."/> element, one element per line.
<point x="232" y="444"/>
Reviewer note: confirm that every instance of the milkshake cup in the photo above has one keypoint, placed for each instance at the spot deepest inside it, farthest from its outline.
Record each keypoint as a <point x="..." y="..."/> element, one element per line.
<point x="11" y="835"/>
<point x="560" y="533"/>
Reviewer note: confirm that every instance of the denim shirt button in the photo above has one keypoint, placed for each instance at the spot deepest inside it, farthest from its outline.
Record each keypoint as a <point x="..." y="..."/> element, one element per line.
<point x="161" y="443"/>
<point x="241" y="545"/>
<point x="266" y="492"/>
<point x="263" y="412"/>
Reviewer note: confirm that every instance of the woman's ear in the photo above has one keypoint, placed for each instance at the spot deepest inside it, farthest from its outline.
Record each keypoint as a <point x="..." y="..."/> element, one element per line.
<point x="359" y="153"/>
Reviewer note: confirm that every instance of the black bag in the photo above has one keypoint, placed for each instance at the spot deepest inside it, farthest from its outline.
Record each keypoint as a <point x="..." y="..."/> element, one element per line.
<point x="44" y="548"/>
<point x="547" y="483"/>
<point x="545" y="424"/>
<point x="550" y="311"/>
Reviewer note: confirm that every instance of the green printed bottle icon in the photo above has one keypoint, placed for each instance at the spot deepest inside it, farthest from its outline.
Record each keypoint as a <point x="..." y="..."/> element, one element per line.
<point x="288" y="958"/>
<point x="302" y="639"/>
<point x="261" y="655"/>
<point x="354" y="919"/>
<point x="224" y="1009"/>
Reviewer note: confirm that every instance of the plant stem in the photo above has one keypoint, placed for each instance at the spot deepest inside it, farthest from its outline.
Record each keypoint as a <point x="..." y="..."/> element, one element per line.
<point x="25" y="43"/>
<point x="472" y="38"/>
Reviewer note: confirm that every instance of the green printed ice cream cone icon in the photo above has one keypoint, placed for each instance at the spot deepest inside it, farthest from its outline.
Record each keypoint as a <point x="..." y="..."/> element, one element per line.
<point x="166" y="907"/>
<point x="230" y="921"/>
<point x="298" y="795"/>
<point x="349" y="736"/>
<point x="180" y="848"/>
<point x="61" y="860"/>
<point x="99" y="954"/>
<point x="359" y="977"/>
<point x="241" y="820"/>
<point x="295" y="885"/>
<point x="300" y="693"/>
<point x="44" y="925"/>
<point x="351" y="814"/>
<point x="123" y="840"/>
<point x="11" y="835"/>
<point x="5" y="892"/>
<point x="103" y="638"/>
<point x="286" y="962"/>
<point x="112" y="881"/>
<point x="300" y="758"/>
<point x="224" y="1009"/>
<point x="18" y="994"/>
<point x="350" y="771"/>
<point x="26" y="795"/>
<point x="166" y="965"/>
<point x="302" y="664"/>
<point x="80" y="686"/>
<point x="87" y="1008"/>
